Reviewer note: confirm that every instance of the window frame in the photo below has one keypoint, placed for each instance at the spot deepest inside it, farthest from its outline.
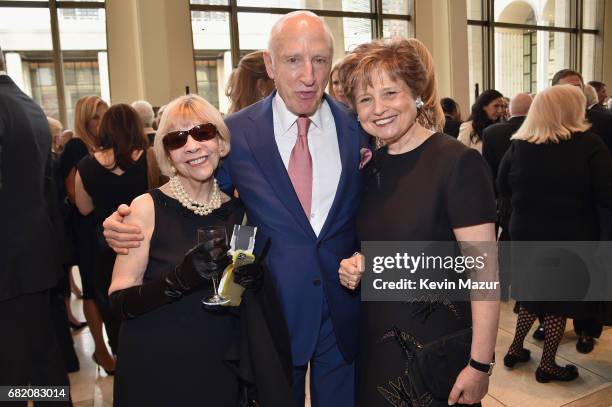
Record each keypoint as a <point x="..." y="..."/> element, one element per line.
<point x="376" y="16"/>
<point x="488" y="25"/>
<point x="58" y="61"/>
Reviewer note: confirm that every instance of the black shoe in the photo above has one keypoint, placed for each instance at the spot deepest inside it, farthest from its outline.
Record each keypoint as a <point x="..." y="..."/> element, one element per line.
<point x="562" y="374"/>
<point x="538" y="334"/>
<point x="585" y="344"/>
<point x="511" y="359"/>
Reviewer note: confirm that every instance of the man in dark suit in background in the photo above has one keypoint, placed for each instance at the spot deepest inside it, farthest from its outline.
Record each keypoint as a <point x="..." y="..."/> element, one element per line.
<point x="495" y="142"/>
<point x="496" y="138"/>
<point x="29" y="353"/>
<point x="592" y="99"/>
<point x="602" y="92"/>
<point x="601" y="121"/>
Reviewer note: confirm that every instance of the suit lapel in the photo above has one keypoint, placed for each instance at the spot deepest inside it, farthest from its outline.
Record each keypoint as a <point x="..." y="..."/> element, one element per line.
<point x="265" y="151"/>
<point x="346" y="131"/>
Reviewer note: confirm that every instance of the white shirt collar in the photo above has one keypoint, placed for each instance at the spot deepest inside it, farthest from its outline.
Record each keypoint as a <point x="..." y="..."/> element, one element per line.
<point x="286" y="119"/>
<point x="3" y="73"/>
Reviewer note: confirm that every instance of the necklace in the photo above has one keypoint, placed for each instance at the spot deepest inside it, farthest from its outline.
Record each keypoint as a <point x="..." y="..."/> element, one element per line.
<point x="199" y="208"/>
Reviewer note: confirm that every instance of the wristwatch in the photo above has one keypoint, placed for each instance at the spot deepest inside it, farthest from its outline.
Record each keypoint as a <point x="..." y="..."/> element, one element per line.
<point x="483" y="367"/>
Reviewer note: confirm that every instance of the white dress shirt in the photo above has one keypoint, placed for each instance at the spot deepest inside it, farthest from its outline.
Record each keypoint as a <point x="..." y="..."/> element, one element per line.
<point x="324" y="151"/>
<point x="3" y="73"/>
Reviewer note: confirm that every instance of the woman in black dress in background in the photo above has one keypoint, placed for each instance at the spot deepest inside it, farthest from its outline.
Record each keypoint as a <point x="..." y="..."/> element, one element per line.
<point x="422" y="186"/>
<point x="556" y="173"/>
<point x="172" y="350"/>
<point x="115" y="174"/>
<point x="88" y="113"/>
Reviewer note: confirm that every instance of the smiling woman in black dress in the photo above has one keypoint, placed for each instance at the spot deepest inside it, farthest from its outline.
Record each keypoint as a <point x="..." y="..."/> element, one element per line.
<point x="422" y="186"/>
<point x="172" y="351"/>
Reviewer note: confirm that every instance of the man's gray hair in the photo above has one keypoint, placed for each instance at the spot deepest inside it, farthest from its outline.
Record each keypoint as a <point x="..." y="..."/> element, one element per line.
<point x="591" y="95"/>
<point x="145" y="111"/>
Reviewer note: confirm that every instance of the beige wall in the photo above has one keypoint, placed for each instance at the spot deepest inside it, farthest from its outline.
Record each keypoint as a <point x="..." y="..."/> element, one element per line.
<point x="150" y="50"/>
<point x="607" y="48"/>
<point x="442" y="26"/>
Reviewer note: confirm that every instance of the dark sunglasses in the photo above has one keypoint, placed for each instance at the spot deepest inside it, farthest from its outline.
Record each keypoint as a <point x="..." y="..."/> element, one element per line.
<point x="201" y="132"/>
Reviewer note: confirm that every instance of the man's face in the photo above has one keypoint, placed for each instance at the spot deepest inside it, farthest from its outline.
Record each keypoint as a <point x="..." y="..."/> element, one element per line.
<point x="300" y="64"/>
<point x="602" y="95"/>
<point x="572" y="80"/>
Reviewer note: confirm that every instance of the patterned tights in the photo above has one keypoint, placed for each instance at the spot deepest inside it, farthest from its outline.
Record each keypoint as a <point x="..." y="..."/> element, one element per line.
<point x="554" y="327"/>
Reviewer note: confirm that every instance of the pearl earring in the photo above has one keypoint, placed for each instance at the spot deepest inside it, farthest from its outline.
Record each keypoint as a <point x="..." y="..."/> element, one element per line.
<point x="419" y="103"/>
<point x="173" y="170"/>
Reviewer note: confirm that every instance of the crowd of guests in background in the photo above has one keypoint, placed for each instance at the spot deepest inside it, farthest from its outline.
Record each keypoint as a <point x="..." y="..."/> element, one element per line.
<point x="563" y="135"/>
<point x="114" y="154"/>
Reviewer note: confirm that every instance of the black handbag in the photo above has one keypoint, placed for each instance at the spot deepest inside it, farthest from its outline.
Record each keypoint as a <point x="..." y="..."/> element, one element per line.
<point x="433" y="367"/>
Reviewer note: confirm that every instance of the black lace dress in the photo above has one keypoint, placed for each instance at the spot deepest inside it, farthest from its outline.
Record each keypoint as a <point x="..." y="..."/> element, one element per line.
<point x="421" y="195"/>
<point x="175" y="355"/>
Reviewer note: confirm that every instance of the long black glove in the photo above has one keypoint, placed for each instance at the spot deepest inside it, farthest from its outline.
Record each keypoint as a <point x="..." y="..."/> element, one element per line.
<point x="200" y="263"/>
<point x="250" y="275"/>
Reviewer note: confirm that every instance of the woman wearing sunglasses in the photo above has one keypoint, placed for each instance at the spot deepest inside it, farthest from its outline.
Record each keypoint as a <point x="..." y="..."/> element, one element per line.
<point x="172" y="350"/>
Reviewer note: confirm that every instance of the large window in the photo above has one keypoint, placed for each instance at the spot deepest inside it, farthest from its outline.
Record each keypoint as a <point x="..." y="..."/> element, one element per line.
<point x="56" y="52"/>
<point x="527" y="41"/>
<point x="224" y="30"/>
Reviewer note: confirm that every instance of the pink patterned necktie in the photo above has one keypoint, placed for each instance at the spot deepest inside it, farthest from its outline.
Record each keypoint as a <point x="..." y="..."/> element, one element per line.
<point x="300" y="166"/>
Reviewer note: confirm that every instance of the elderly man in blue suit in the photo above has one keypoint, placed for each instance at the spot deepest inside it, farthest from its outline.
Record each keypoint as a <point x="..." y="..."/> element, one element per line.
<point x="295" y="162"/>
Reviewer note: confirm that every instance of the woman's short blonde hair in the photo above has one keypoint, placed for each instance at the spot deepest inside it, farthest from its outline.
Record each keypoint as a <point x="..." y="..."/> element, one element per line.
<point x="555" y="114"/>
<point x="84" y="111"/>
<point x="183" y="113"/>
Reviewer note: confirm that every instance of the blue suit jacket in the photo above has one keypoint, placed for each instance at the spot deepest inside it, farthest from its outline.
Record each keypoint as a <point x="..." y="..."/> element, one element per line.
<point x="304" y="267"/>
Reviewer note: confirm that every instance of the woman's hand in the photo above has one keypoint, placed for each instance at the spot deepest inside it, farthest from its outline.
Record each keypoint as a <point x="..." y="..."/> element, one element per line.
<point x="351" y="270"/>
<point x="470" y="387"/>
<point x="203" y="261"/>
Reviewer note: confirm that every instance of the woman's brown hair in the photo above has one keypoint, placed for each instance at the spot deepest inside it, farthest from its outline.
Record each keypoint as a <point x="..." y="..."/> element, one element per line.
<point x="85" y="109"/>
<point x="249" y="82"/>
<point x="402" y="59"/>
<point x="121" y="130"/>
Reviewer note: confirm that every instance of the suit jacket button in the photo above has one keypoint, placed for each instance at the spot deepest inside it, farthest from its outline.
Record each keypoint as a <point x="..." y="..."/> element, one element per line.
<point x="316" y="282"/>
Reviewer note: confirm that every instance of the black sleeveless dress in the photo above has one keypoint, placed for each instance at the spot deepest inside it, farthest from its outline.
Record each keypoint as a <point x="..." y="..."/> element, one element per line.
<point x="107" y="191"/>
<point x="174" y="355"/>
<point x="420" y="195"/>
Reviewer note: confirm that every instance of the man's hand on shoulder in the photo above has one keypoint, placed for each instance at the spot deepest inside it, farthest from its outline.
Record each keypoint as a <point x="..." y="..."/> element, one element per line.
<point x="121" y="236"/>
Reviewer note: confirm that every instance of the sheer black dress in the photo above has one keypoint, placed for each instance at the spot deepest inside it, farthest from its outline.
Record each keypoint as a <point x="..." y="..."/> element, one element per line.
<point x="175" y="355"/>
<point x="421" y="195"/>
